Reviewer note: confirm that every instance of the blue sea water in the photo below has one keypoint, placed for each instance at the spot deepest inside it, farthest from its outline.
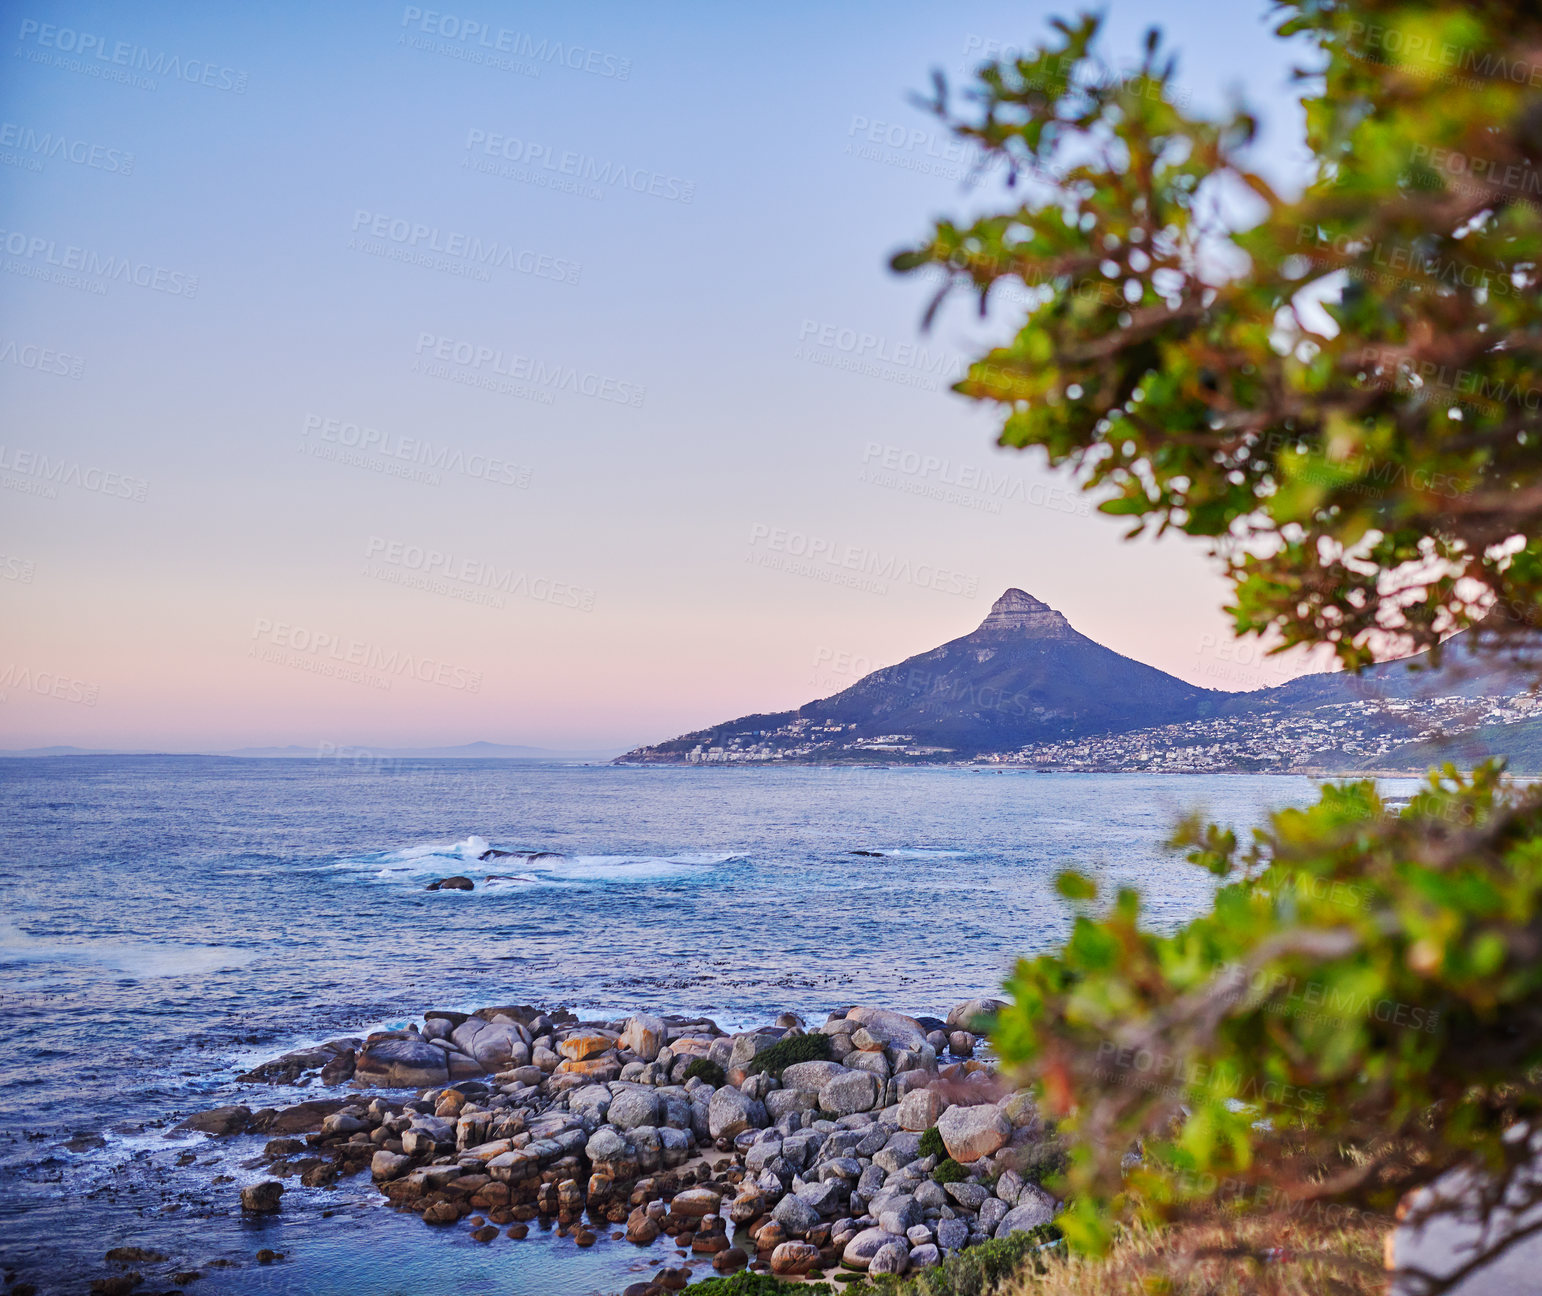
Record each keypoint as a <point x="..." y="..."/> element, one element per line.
<point x="165" y="922"/>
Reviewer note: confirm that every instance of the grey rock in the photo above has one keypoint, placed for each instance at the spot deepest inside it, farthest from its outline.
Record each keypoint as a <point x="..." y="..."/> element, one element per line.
<point x="971" y="1196"/>
<point x="931" y="1195"/>
<point x="925" y="1257"/>
<point x="827" y="1197"/>
<point x="952" y="1234"/>
<point x="262" y="1198"/>
<point x="761" y="1153"/>
<point x="1034" y="1207"/>
<point x="402" y="1064"/>
<point x="856" y="1091"/>
<point x="890" y="1258"/>
<point x="633" y="1107"/>
<point x="970" y="1133"/>
<point x="784" y="1102"/>
<point x="1009" y="1186"/>
<point x="731" y="1112"/>
<point x="859" y="1252"/>
<point x="919" y="1109"/>
<point x="811" y="1077"/>
<point x="745" y="1048"/>
<point x="992" y="1211"/>
<point x="795" y="1215"/>
<point x="965" y="1015"/>
<point x="899" y="1214"/>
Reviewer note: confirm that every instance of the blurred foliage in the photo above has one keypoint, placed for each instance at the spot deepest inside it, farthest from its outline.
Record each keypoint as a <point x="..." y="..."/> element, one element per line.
<point x="1339" y="391"/>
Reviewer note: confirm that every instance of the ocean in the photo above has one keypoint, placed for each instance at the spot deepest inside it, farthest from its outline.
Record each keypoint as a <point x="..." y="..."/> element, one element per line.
<point x="166" y="922"/>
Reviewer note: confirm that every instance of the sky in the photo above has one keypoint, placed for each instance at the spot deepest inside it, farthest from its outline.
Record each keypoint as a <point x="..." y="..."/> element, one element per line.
<point x="383" y="375"/>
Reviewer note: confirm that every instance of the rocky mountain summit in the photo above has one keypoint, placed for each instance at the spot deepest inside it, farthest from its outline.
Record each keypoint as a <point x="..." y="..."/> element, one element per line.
<point x="1025" y="687"/>
<point x="1023" y="675"/>
<point x="878" y="1141"/>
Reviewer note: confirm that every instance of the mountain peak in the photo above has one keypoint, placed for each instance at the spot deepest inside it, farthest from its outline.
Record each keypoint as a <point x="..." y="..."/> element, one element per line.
<point x="1019" y="610"/>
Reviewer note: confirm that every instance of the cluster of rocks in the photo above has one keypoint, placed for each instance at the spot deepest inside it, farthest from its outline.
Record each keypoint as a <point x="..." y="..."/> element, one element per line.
<point x="667" y="1126"/>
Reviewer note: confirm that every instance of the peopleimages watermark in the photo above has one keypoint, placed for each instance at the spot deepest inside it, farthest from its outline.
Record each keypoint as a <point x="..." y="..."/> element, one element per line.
<point x="17" y="569"/>
<point x="1388" y="369"/>
<point x="121" y="61"/>
<point x="1441" y="58"/>
<point x="41" y="359"/>
<point x="503" y="48"/>
<point x="34" y="257"/>
<point x="1473" y="174"/>
<point x="469" y="580"/>
<point x="859" y="351"/>
<point x="852" y="566"/>
<point x="566" y="170"/>
<point x="915" y="148"/>
<point x="43" y="683"/>
<point x="23" y="146"/>
<point x="413" y="458"/>
<point x="357" y="661"/>
<point x="933" y="477"/>
<point x="1159" y="1072"/>
<point x="515" y="373"/>
<point x="33" y="472"/>
<point x="395" y="238"/>
<point x="1377" y="261"/>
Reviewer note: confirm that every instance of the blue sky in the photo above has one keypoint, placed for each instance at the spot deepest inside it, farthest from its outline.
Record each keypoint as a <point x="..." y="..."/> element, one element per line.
<point x="322" y="475"/>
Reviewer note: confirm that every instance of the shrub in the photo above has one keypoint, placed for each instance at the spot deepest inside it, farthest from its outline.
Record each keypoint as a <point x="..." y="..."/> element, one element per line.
<point x="973" y="1272"/>
<point x="949" y="1171"/>
<point x="932" y="1145"/>
<point x="708" y="1070"/>
<point x="745" y="1283"/>
<point x="785" y="1052"/>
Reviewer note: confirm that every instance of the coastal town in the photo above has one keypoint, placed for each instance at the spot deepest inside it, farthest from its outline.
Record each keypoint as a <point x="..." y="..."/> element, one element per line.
<point x="1340" y="736"/>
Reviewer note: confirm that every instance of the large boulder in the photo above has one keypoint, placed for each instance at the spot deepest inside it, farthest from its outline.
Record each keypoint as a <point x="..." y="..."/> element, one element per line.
<point x="970" y="1133"/>
<point x="1034" y="1207"/>
<point x="499" y="1045"/>
<point x="856" y="1091"/>
<point x="731" y="1112"/>
<point x="790" y="1259"/>
<point x="890" y="1258"/>
<point x="584" y="1044"/>
<point x="952" y="1234"/>
<point x="811" y="1077"/>
<point x="221" y="1121"/>
<point x="262" y="1198"/>
<point x="968" y="1013"/>
<point x="920" y="1109"/>
<point x="795" y="1215"/>
<point x="402" y="1064"/>
<point x="645" y="1036"/>
<point x="859" y="1252"/>
<point x="633" y="1107"/>
<point x="592" y="1101"/>
<point x="389" y="1165"/>
<point x="892" y="1028"/>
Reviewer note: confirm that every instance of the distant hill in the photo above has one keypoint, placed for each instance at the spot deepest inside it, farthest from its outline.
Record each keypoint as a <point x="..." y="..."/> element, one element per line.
<point x="1025" y="687"/>
<point x="1022" y="676"/>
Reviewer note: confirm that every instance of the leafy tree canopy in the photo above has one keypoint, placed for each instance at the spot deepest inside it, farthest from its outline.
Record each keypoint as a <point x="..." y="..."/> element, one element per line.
<point x="1339" y="390"/>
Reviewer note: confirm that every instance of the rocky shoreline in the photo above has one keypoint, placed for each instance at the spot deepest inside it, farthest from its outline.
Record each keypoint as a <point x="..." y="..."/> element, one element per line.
<point x="873" y="1143"/>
